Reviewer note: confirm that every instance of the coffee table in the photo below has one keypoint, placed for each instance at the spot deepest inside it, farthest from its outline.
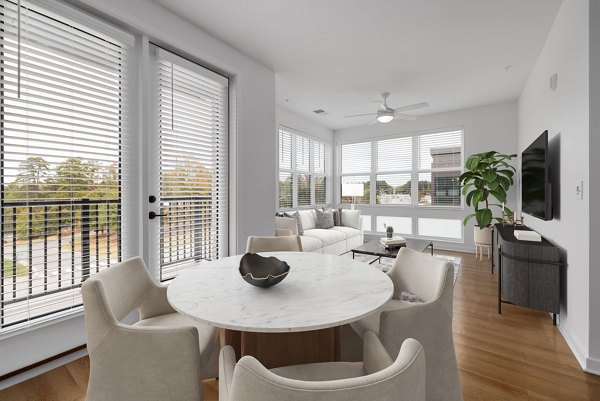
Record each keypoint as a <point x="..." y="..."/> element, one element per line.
<point x="374" y="248"/>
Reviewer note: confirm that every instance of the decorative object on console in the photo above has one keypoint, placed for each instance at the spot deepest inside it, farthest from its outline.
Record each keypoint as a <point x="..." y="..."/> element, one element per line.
<point x="527" y="235"/>
<point x="353" y="190"/>
<point x="262" y="272"/>
<point x="488" y="174"/>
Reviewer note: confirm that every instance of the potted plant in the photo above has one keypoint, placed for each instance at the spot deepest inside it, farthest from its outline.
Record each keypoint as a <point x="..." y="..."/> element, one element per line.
<point x="484" y="185"/>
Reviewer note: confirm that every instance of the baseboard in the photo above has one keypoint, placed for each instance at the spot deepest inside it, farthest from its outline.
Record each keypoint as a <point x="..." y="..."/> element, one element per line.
<point x="39" y="369"/>
<point x="576" y="348"/>
<point x="592" y="366"/>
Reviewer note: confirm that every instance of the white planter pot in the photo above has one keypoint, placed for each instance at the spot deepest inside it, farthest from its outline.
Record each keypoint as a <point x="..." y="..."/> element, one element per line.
<point x="482" y="236"/>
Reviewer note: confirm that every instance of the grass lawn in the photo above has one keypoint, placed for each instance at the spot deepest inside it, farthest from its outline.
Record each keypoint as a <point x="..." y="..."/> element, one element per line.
<point x="8" y="269"/>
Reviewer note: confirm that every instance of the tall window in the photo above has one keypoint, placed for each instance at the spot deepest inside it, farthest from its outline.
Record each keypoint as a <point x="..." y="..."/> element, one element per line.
<point x="192" y="112"/>
<point x="62" y="115"/>
<point x="440" y="163"/>
<point x="394" y="168"/>
<point x="302" y="170"/>
<point x="419" y="170"/>
<point x="356" y="169"/>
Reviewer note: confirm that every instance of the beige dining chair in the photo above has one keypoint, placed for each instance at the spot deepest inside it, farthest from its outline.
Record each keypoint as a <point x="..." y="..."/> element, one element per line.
<point x="379" y="377"/>
<point x="274" y="244"/>
<point x="432" y="280"/>
<point x="164" y="356"/>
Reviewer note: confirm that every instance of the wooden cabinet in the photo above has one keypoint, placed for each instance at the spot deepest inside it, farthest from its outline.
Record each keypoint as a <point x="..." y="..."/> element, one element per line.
<point x="529" y="272"/>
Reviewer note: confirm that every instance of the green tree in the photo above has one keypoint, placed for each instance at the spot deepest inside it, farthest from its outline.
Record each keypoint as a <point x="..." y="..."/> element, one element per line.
<point x="74" y="179"/>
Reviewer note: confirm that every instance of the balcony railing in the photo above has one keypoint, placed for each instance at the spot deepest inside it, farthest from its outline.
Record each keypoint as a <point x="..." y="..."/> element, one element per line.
<point x="50" y="247"/>
<point x="53" y="247"/>
<point x="188" y="232"/>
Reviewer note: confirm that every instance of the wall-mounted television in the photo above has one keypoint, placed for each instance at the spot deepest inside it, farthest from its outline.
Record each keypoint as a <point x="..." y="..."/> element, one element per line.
<point x="535" y="183"/>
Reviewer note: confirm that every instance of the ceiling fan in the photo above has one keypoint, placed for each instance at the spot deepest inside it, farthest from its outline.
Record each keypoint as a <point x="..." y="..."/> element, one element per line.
<point x="385" y="113"/>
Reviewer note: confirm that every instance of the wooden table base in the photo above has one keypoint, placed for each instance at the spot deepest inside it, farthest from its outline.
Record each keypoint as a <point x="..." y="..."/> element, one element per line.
<point x="284" y="349"/>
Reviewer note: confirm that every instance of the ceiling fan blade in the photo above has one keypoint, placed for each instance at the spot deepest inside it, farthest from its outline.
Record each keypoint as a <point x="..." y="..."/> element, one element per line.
<point x="361" y="115"/>
<point x="406" y="117"/>
<point x="373" y="122"/>
<point x="412" y="106"/>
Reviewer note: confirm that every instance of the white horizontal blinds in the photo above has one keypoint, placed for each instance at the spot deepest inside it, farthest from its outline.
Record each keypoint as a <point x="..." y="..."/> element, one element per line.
<point x="192" y="109"/>
<point x="62" y="114"/>
<point x="356" y="158"/>
<point x="356" y="168"/>
<point x="440" y="163"/>
<point x="394" y="165"/>
<point x="320" y="170"/>
<point x="286" y="182"/>
<point x="285" y="150"/>
<point x="302" y="170"/>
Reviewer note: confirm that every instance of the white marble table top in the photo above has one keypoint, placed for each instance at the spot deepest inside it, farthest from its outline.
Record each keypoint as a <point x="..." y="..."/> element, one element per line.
<point x="320" y="291"/>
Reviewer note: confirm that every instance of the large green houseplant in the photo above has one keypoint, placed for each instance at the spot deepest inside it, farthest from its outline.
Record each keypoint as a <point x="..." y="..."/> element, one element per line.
<point x="485" y="182"/>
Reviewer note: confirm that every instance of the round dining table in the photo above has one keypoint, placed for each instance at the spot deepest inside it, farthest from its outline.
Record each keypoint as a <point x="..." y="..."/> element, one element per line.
<point x="320" y="293"/>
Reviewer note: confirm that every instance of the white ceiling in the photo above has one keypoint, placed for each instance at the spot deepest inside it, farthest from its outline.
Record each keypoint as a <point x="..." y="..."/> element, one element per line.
<point x="338" y="55"/>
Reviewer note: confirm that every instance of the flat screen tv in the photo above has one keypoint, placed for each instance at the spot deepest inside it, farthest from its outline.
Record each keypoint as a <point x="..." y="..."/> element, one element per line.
<point x="535" y="184"/>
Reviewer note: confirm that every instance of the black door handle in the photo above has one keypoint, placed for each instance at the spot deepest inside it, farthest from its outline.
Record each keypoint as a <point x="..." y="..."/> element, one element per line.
<point x="153" y="215"/>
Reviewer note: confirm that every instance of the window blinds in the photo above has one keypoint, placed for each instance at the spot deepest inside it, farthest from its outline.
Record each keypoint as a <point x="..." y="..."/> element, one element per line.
<point x="394" y="158"/>
<point x="63" y="112"/>
<point x="440" y="163"/>
<point x="192" y="110"/>
<point x="356" y="158"/>
<point x="302" y="170"/>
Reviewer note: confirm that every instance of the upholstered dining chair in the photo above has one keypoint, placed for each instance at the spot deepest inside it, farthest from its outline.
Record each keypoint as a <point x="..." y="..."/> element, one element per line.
<point x="430" y="322"/>
<point x="164" y="356"/>
<point x="378" y="378"/>
<point x="274" y="244"/>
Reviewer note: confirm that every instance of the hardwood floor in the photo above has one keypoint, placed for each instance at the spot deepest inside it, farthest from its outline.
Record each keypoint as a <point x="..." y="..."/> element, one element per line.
<point x="518" y="355"/>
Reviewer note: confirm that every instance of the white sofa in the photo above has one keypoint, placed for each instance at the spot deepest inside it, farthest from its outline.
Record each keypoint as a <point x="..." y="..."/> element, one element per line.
<point x="335" y="240"/>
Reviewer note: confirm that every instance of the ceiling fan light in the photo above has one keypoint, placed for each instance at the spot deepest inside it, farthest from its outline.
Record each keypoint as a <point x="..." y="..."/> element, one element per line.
<point x="385" y="117"/>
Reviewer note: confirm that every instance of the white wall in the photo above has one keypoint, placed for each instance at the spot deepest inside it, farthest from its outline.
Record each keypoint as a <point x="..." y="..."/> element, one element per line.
<point x="491" y="127"/>
<point x="594" y="187"/>
<point x="253" y="154"/>
<point x="565" y="114"/>
<point x="303" y="125"/>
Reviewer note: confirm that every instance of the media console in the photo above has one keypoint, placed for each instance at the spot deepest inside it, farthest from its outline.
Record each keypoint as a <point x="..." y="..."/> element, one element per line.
<point x="528" y="272"/>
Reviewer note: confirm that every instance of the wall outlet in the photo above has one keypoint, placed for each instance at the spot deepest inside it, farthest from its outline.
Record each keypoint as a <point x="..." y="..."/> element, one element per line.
<point x="579" y="189"/>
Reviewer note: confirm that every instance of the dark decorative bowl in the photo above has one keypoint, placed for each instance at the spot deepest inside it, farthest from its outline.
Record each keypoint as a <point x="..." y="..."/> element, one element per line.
<point x="263" y="272"/>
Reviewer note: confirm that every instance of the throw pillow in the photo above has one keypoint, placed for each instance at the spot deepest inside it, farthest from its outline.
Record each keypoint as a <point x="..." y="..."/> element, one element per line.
<point x="351" y="218"/>
<point x="287" y="223"/>
<point x="408" y="296"/>
<point x="324" y="218"/>
<point x="337" y="217"/>
<point x="296" y="216"/>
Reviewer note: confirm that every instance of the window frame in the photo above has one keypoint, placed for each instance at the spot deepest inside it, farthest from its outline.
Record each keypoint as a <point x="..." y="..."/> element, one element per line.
<point x="103" y="31"/>
<point x="415" y="171"/>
